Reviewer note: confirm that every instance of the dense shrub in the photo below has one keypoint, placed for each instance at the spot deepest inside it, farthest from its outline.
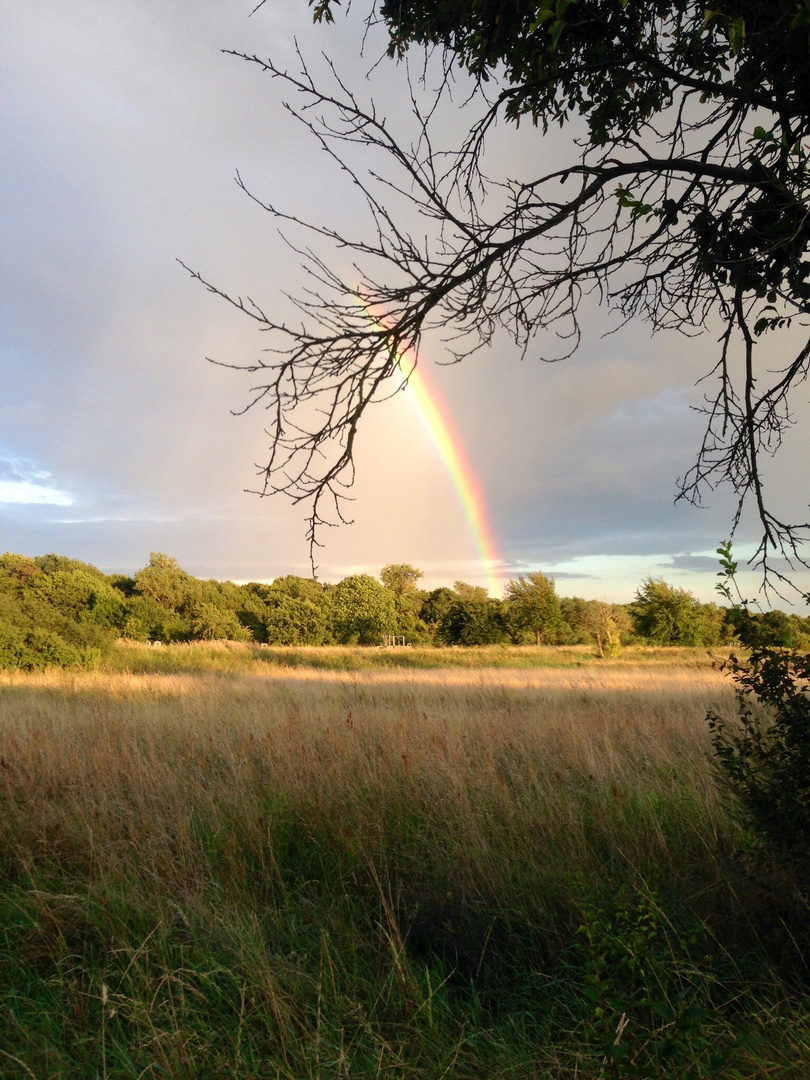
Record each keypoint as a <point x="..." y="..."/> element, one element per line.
<point x="79" y="610"/>
<point x="291" y="620"/>
<point x="82" y="594"/>
<point x="148" y="620"/>
<point x="473" y="621"/>
<point x="36" y="632"/>
<point x="667" y="615"/>
<point x="764" y="757"/>
<point x="770" y="629"/>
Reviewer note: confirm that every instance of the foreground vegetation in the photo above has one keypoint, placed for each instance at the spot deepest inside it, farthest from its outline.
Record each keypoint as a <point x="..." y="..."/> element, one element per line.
<point x="281" y="872"/>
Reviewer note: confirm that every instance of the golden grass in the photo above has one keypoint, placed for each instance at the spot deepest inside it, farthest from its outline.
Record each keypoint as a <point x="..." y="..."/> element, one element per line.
<point x="702" y="679"/>
<point x="581" y="766"/>
<point x="199" y="657"/>
<point x="283" y="853"/>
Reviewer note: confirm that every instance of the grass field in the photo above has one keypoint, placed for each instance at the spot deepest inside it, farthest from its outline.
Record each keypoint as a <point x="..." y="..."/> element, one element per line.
<point x="492" y="864"/>
<point x="224" y="656"/>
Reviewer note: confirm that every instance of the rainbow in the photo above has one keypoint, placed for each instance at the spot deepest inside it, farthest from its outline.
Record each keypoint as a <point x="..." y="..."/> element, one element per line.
<point x="435" y="416"/>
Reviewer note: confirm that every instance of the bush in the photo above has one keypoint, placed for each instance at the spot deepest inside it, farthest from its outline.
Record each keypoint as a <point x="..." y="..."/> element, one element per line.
<point x="15" y="653"/>
<point x="148" y="620"/>
<point x="81" y="595"/>
<point x="35" y="649"/>
<point x="765" y="757"/>
<point x="212" y="623"/>
<point x="764" y="629"/>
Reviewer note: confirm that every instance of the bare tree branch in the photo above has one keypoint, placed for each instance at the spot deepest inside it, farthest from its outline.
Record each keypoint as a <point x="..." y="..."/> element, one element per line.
<point x="680" y="210"/>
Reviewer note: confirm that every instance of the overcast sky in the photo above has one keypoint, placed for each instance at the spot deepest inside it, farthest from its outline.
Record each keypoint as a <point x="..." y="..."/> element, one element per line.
<point x="122" y="126"/>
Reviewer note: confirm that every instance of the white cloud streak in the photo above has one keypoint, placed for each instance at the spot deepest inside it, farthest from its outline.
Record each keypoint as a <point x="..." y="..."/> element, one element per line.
<point x="28" y="493"/>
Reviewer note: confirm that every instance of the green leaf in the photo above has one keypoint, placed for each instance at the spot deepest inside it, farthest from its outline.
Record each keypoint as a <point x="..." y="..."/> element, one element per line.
<point x="696" y="1013"/>
<point x="323" y="11"/>
<point x="556" y="31"/>
<point x="736" y="34"/>
<point x="544" y="15"/>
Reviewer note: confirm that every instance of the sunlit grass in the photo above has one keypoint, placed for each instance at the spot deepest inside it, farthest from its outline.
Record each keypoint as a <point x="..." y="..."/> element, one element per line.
<point x="235" y="656"/>
<point x="276" y="871"/>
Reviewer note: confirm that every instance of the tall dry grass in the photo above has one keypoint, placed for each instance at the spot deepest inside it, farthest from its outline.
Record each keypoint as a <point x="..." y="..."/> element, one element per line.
<point x="200" y="657"/>
<point x="324" y="866"/>
<point x="548" y="768"/>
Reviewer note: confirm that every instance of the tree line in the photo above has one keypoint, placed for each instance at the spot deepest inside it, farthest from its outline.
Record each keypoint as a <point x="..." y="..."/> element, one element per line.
<point x="58" y="610"/>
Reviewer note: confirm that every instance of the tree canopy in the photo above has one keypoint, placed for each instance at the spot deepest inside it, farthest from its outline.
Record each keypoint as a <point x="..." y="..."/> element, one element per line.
<point x="667" y="615"/>
<point x="400" y="578"/>
<point x="364" y="610"/>
<point x="533" y="605"/>
<point x="684" y="202"/>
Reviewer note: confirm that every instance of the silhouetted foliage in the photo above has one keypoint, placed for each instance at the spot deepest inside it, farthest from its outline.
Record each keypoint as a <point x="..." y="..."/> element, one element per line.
<point x="765" y="757"/>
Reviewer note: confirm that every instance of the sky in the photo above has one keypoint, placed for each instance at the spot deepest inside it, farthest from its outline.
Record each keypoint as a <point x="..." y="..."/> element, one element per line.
<point x="122" y="127"/>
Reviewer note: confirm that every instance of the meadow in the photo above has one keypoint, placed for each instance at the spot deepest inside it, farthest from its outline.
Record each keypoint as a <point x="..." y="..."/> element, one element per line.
<point x="479" y="863"/>
<point x="241" y="657"/>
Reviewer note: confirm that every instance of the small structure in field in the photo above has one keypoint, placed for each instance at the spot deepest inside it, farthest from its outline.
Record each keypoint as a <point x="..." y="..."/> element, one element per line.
<point x="394" y="641"/>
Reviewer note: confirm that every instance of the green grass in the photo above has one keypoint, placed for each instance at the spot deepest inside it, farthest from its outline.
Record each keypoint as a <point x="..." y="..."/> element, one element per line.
<point x="294" y="876"/>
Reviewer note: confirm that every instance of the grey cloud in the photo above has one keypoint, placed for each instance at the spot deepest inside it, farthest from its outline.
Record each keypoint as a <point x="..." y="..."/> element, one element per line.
<point x="565" y="525"/>
<point x="695" y="564"/>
